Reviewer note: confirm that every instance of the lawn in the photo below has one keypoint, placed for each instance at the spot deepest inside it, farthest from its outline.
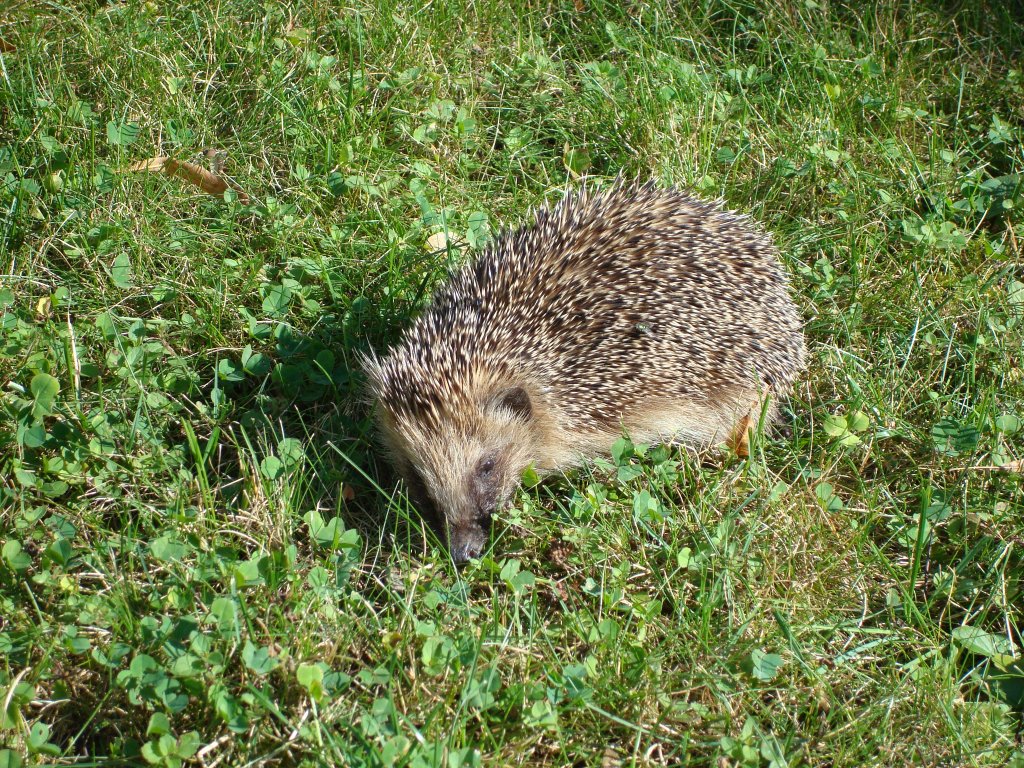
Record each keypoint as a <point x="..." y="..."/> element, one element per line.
<point x="205" y="558"/>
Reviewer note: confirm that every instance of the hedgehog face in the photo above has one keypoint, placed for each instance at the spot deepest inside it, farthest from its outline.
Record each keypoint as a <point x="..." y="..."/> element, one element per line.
<point x="487" y="485"/>
<point x="462" y="471"/>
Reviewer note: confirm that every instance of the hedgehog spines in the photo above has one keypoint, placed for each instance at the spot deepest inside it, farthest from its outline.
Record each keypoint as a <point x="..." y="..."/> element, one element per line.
<point x="553" y="309"/>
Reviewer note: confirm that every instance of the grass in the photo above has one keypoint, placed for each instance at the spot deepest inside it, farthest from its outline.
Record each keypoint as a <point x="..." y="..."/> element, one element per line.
<point x="204" y="560"/>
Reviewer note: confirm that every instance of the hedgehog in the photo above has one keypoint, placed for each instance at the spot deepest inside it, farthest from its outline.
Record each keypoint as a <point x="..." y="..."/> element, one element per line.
<point x="638" y="310"/>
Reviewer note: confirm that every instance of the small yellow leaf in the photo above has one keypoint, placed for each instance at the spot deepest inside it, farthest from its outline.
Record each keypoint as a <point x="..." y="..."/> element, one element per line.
<point x="296" y="35"/>
<point x="437" y="242"/>
<point x="43" y="307"/>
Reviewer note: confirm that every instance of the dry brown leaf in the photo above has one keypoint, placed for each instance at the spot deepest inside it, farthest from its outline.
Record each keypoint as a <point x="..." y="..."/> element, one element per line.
<point x="739" y="441"/>
<point x="202" y="178"/>
<point x="6" y="47"/>
<point x="347" y="492"/>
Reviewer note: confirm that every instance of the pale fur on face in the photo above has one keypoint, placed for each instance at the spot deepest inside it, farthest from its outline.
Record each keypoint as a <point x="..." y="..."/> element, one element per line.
<point x="468" y="468"/>
<point x="441" y="457"/>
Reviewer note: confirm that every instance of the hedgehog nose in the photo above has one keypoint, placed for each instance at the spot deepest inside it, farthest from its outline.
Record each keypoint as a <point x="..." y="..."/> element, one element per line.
<point x="467" y="548"/>
<point x="468" y="541"/>
<point x="464" y="552"/>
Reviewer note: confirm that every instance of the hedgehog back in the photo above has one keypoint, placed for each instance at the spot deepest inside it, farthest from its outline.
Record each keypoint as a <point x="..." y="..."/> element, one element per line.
<point x="607" y="300"/>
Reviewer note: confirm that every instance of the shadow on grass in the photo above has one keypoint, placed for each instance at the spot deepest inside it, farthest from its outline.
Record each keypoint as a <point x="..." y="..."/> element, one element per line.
<point x="315" y="394"/>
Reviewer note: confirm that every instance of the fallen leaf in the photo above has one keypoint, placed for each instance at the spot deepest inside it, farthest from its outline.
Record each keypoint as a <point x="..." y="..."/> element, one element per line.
<point x="210" y="183"/>
<point x="347" y="492"/>
<point x="296" y="35"/>
<point x="739" y="441"/>
<point x="43" y="307"/>
<point x="437" y="242"/>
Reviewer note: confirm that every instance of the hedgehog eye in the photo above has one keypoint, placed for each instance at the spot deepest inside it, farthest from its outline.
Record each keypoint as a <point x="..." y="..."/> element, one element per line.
<point x="485" y="467"/>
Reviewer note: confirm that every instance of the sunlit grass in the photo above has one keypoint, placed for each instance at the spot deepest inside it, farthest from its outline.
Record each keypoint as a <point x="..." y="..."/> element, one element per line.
<point x="204" y="556"/>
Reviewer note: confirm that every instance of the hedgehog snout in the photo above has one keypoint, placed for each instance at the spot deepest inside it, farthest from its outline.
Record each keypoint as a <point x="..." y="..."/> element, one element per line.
<point x="469" y="532"/>
<point x="469" y="536"/>
<point x="468" y="541"/>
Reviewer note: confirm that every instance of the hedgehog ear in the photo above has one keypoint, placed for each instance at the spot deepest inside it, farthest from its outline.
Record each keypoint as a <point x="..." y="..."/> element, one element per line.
<point x="516" y="400"/>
